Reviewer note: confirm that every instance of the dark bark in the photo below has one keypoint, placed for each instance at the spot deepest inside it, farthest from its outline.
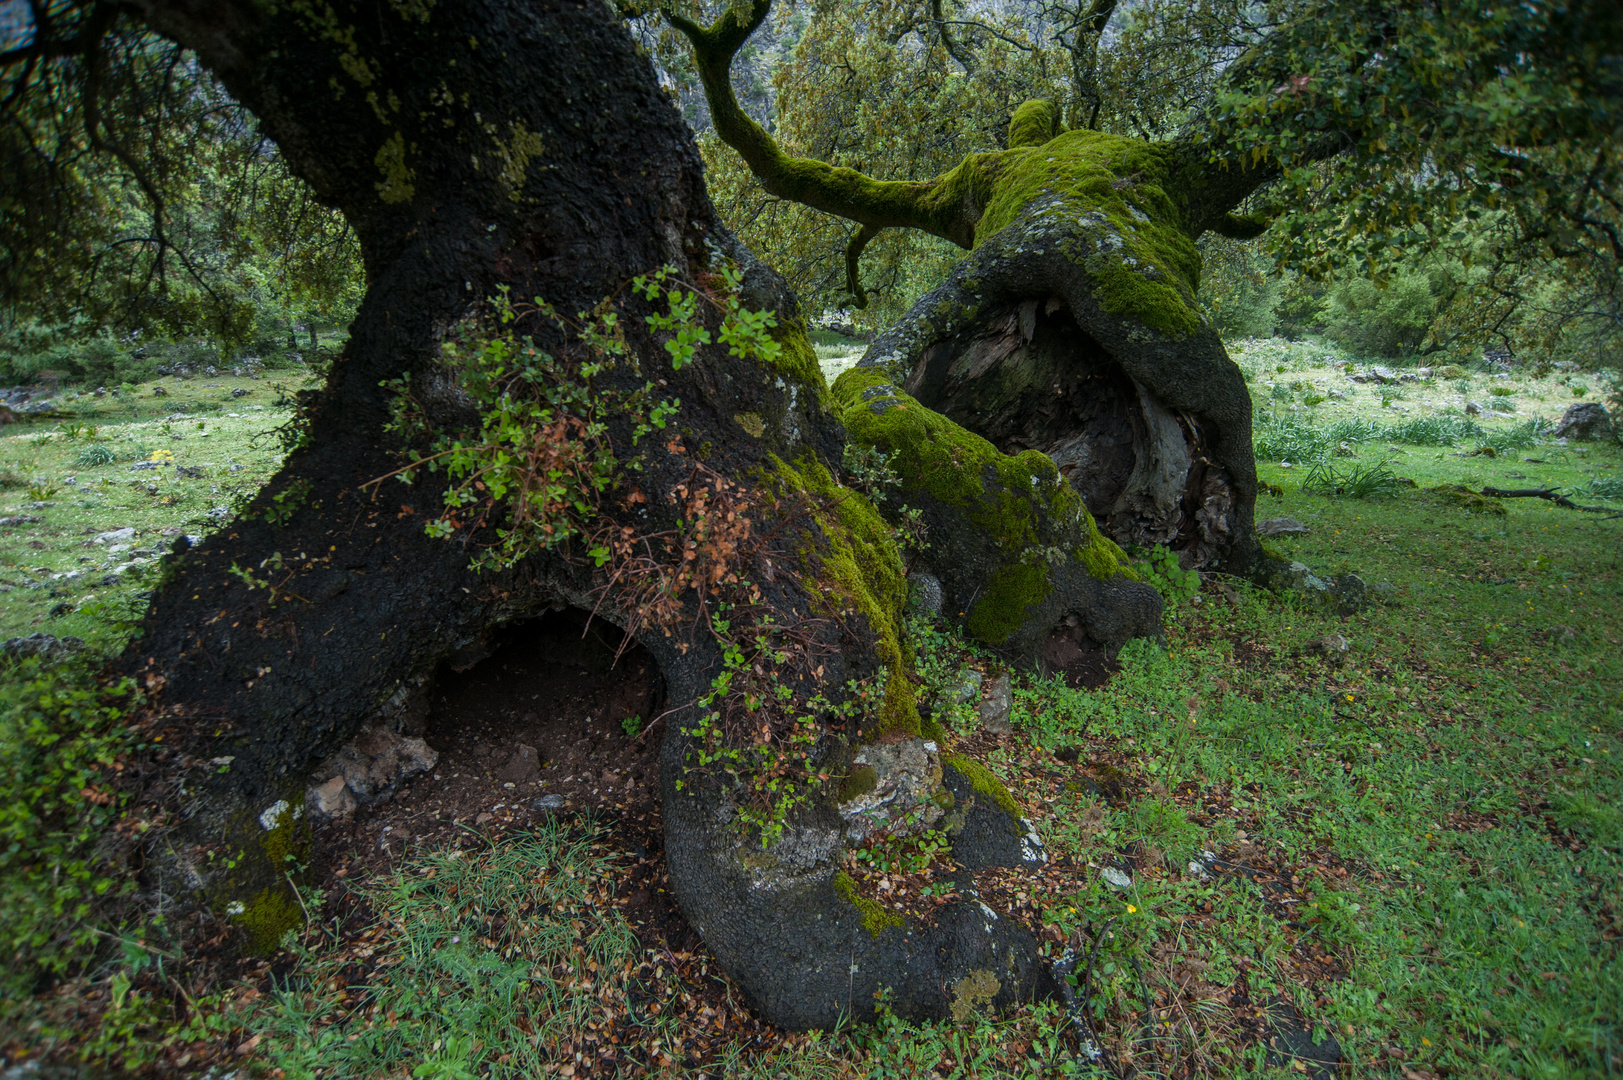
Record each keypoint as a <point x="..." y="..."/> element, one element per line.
<point x="526" y="145"/>
<point x="377" y="602"/>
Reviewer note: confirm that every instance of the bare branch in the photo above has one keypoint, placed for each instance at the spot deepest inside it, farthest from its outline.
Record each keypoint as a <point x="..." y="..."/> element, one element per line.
<point x="853" y="255"/>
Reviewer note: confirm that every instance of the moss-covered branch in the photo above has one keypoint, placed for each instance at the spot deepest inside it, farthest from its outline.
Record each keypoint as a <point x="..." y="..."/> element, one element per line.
<point x="936" y="206"/>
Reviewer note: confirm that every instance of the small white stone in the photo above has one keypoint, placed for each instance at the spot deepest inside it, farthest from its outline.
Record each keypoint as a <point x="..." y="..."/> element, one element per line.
<point x="1116" y="879"/>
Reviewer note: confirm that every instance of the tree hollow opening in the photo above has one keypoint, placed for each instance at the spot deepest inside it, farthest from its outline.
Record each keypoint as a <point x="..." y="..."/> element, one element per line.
<point x="1071" y="654"/>
<point x="548" y="706"/>
<point x="1028" y="377"/>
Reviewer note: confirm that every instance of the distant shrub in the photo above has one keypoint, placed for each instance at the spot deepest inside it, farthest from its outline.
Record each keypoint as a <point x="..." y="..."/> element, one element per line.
<point x="1239" y="287"/>
<point x="1374" y="321"/>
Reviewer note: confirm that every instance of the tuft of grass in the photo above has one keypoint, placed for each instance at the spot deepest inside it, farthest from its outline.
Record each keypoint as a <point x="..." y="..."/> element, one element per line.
<point x="1606" y="487"/>
<point x="94" y="456"/>
<point x="1356" y="482"/>
<point x="1435" y="431"/>
<point x="1356" y="429"/>
<point x="1520" y="437"/>
<point x="1286" y="438"/>
<point x="1598" y="819"/>
<point x="1163" y="823"/>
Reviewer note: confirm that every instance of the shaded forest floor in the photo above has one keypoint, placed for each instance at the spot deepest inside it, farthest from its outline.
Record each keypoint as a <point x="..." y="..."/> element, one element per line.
<point x="1411" y="847"/>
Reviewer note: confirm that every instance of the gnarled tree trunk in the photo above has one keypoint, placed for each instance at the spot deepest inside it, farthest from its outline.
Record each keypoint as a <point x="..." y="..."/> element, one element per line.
<point x="526" y="146"/>
<point x="1072" y="328"/>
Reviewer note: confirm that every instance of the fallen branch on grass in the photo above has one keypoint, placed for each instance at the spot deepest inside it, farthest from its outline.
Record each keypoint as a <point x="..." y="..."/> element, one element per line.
<point x="1547" y="493"/>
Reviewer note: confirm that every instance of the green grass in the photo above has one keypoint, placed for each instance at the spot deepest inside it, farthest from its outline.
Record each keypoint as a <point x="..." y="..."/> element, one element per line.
<point x="1420" y="846"/>
<point x="53" y="578"/>
<point x="490" y="962"/>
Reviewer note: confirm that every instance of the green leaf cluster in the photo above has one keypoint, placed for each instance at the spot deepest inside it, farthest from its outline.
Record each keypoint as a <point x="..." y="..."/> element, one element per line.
<point x="540" y="457"/>
<point x="62" y="738"/>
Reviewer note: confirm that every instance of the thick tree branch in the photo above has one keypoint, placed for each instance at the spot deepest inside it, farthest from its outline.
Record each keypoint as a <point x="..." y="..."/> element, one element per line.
<point x="1241" y="227"/>
<point x="938" y="206"/>
<point x="1551" y="494"/>
<point x="956" y="51"/>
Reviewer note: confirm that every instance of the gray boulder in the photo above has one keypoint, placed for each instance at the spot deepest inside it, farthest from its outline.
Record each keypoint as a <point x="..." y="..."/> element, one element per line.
<point x="1345" y="594"/>
<point x="49" y="649"/>
<point x="997" y="706"/>
<point x="1283" y="526"/>
<point x="1586" y="421"/>
<point x="891" y="788"/>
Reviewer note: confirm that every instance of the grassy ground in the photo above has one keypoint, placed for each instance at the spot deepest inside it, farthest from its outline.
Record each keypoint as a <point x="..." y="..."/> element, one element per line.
<point x="1415" y="844"/>
<point x="163" y="465"/>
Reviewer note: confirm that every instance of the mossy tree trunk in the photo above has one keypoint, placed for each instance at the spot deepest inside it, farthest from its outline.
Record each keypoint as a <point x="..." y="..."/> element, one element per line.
<point x="496" y="145"/>
<point x="1072" y="328"/>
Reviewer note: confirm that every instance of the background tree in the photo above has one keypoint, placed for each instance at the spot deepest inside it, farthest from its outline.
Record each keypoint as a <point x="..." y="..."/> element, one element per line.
<point x="1388" y="200"/>
<point x="142" y="201"/>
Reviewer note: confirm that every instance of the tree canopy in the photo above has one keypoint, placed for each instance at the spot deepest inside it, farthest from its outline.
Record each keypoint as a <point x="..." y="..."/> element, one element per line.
<point x="140" y="196"/>
<point x="1386" y="131"/>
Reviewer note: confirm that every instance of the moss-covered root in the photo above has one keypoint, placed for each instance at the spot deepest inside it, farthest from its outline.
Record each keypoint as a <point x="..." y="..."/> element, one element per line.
<point x="1106" y="242"/>
<point x="875" y="919"/>
<point x="986" y="825"/>
<point x="810" y="945"/>
<point x="1012" y="543"/>
<point x="1460" y="497"/>
<point x="859" y="572"/>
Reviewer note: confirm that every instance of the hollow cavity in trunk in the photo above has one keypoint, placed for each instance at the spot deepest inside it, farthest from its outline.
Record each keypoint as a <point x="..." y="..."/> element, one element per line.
<point x="1029" y="378"/>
